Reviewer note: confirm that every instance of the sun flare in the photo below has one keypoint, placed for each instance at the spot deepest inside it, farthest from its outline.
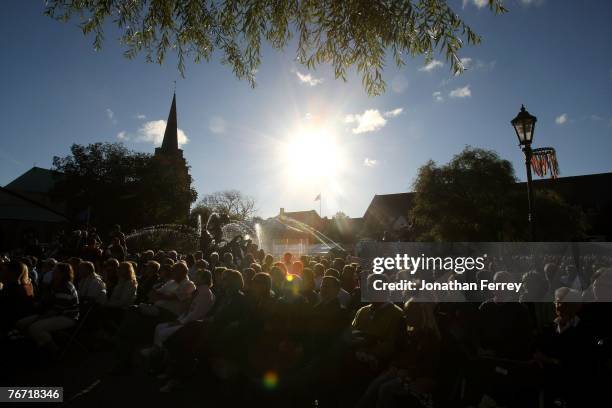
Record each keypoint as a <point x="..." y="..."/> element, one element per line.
<point x="312" y="155"/>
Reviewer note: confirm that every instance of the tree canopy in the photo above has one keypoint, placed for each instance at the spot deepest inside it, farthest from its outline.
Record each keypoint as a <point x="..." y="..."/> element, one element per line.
<point x="345" y="34"/>
<point x="233" y="203"/>
<point x="475" y="197"/>
<point x="115" y="185"/>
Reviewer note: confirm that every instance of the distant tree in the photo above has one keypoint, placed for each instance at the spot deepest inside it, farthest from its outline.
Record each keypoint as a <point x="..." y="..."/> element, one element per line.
<point x="340" y="217"/>
<point x="555" y="219"/>
<point x="475" y="198"/>
<point x="236" y="205"/>
<point x="340" y="228"/>
<point x="343" y="34"/>
<point x="110" y="184"/>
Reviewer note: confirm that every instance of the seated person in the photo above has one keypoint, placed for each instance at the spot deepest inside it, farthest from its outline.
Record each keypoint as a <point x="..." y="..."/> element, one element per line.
<point x="148" y="280"/>
<point x="329" y="318"/>
<point x="124" y="292"/>
<point x="308" y="287"/>
<point x="376" y="327"/>
<point x="325" y="346"/>
<point x="90" y="287"/>
<point x="343" y="295"/>
<point x="109" y="274"/>
<point x="201" y="305"/>
<point x="170" y="301"/>
<point x="505" y="329"/>
<point x="16" y="294"/>
<point x="218" y="336"/>
<point x="46" y="273"/>
<point x="567" y="354"/>
<point x="60" y="310"/>
<point x="597" y="313"/>
<point x="410" y="378"/>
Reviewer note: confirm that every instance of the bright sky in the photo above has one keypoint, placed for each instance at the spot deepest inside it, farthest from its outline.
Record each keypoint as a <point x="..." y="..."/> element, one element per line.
<point x="553" y="56"/>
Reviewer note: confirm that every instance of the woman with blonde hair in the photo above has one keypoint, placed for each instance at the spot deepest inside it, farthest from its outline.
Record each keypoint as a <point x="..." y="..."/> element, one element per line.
<point x="124" y="293"/>
<point x="16" y="294"/>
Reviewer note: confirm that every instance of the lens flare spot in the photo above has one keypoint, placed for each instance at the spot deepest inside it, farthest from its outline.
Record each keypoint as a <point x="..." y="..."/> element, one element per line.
<point x="270" y="380"/>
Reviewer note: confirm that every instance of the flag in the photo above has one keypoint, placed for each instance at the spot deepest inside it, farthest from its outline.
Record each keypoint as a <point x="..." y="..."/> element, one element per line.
<point x="318" y="197"/>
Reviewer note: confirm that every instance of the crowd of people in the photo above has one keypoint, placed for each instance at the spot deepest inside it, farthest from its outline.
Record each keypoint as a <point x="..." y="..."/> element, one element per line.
<point x="296" y="327"/>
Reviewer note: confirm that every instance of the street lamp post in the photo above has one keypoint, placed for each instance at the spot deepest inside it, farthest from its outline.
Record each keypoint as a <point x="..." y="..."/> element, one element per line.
<point x="524" y="125"/>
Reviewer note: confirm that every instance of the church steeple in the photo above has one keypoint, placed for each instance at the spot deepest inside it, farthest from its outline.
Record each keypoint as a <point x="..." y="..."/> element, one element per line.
<point x="170" y="145"/>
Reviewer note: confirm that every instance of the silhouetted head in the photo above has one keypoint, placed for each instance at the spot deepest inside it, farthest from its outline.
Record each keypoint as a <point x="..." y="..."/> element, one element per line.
<point x="261" y="284"/>
<point x="568" y="303"/>
<point x="179" y="271"/>
<point x="330" y="287"/>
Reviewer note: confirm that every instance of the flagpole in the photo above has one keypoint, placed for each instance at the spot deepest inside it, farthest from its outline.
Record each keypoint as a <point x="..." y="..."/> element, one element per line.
<point x="320" y="205"/>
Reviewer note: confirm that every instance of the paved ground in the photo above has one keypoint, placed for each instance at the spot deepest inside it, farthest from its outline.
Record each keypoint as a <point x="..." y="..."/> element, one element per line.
<point x="87" y="383"/>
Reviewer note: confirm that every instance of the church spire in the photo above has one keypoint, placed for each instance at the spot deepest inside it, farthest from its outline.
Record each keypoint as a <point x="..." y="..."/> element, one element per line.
<point x="170" y="142"/>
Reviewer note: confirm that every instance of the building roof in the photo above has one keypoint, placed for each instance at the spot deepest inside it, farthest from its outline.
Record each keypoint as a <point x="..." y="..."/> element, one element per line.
<point x="16" y="207"/>
<point x="388" y="207"/>
<point x="309" y="217"/>
<point x="301" y="214"/>
<point x="35" y="180"/>
<point x="586" y="191"/>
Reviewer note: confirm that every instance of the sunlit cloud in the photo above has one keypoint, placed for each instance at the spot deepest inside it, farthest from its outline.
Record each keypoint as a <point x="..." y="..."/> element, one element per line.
<point x="308" y="79"/>
<point x="123" y="135"/>
<point x="111" y="116"/>
<point x="561" y="119"/>
<point x="217" y="124"/>
<point x="369" y="121"/>
<point x="141" y="116"/>
<point x="153" y="132"/>
<point x="595" y="117"/>
<point x="438" y="96"/>
<point x="464" y="92"/>
<point x="433" y="64"/>
<point x="393" y="113"/>
<point x="370" y="162"/>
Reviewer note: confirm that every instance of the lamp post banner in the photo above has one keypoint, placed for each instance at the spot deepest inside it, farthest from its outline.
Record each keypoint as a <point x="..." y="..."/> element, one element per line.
<point x="544" y="161"/>
<point x="485" y="271"/>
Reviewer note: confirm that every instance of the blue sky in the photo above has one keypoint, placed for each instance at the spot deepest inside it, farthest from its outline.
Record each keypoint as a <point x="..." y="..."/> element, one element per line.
<point x="553" y="56"/>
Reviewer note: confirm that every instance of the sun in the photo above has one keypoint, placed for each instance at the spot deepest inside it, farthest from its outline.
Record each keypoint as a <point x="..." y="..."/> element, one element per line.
<point x="311" y="155"/>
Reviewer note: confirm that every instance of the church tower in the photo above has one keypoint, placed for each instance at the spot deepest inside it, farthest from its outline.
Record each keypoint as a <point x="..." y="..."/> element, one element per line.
<point x="170" y="146"/>
<point x="173" y="176"/>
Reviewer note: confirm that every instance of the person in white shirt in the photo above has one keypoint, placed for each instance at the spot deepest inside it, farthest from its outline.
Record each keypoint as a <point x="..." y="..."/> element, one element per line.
<point x="91" y="287"/>
<point x="124" y="292"/>
<point x="201" y="304"/>
<point x="174" y="296"/>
